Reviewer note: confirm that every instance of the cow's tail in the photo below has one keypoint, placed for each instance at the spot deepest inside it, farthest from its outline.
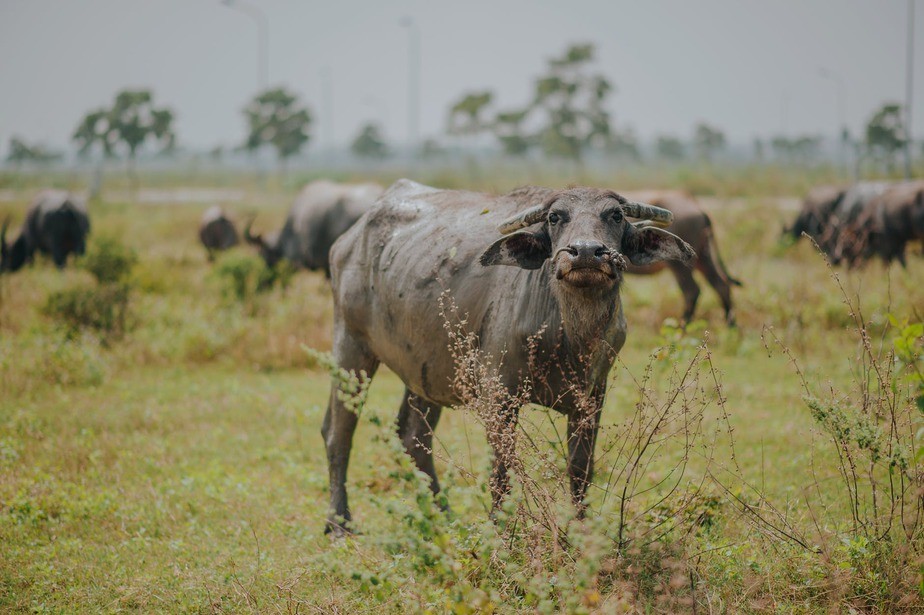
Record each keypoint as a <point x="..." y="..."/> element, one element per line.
<point x="716" y="257"/>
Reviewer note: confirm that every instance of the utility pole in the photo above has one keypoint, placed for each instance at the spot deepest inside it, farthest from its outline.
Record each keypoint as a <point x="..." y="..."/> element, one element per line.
<point x="259" y="18"/>
<point x="909" y="87"/>
<point x="413" y="86"/>
<point x="839" y="82"/>
<point x="327" y="102"/>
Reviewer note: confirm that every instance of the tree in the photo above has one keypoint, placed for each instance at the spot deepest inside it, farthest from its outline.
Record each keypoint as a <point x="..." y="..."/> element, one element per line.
<point x="132" y="121"/>
<point x="802" y="149"/>
<point x="571" y="103"/>
<point x="21" y="152"/>
<point x="624" y="144"/>
<point x="886" y="134"/>
<point x="669" y="148"/>
<point x="369" y="143"/>
<point x="509" y="130"/>
<point x="707" y="141"/>
<point x="276" y="118"/>
<point x="432" y="148"/>
<point x="93" y="130"/>
<point x="758" y="149"/>
<point x="465" y="115"/>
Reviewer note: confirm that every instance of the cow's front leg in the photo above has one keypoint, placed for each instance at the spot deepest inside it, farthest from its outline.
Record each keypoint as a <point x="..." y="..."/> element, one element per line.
<point x="502" y="436"/>
<point x="583" y="424"/>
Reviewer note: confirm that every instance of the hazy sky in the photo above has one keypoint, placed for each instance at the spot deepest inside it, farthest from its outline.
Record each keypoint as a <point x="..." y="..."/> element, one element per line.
<point x="749" y="67"/>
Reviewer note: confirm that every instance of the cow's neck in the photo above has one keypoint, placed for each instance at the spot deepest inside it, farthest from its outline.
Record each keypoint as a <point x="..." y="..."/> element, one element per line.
<point x="594" y="329"/>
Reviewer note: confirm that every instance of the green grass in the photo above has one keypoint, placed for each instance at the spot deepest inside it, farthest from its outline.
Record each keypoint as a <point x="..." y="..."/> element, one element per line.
<point x="182" y="469"/>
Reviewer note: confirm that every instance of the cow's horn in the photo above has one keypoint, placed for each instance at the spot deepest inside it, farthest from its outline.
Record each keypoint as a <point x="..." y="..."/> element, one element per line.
<point x="643" y="211"/>
<point x="256" y="240"/>
<point x="528" y="217"/>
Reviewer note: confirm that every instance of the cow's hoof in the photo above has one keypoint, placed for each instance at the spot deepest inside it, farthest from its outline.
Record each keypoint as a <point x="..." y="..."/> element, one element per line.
<point x="336" y="529"/>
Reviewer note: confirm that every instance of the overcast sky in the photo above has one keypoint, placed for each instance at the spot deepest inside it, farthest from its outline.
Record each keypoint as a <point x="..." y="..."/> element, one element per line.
<point x="749" y="67"/>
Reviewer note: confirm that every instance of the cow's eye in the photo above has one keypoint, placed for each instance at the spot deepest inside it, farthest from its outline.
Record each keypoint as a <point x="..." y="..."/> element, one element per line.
<point x="554" y="218"/>
<point x="617" y="215"/>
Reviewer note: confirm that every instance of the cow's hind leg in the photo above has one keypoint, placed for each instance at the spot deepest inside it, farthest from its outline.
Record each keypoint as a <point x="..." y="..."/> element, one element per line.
<point x="721" y="284"/>
<point x="339" y="425"/>
<point x="688" y="287"/>
<point x="417" y="419"/>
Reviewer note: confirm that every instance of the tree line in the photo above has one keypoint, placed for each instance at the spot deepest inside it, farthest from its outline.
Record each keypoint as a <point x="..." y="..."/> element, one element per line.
<point x="565" y="118"/>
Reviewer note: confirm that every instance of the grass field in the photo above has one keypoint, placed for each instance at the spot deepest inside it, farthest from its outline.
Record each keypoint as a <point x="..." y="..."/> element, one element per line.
<point x="180" y="467"/>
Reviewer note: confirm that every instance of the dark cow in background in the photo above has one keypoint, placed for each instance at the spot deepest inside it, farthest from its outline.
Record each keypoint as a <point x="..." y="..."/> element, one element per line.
<point x="816" y="212"/>
<point x="217" y="231"/>
<point x="892" y="220"/>
<point x="843" y="236"/>
<point x="56" y="224"/>
<point x="694" y="226"/>
<point x="542" y="297"/>
<point x="852" y="224"/>
<point x="322" y="211"/>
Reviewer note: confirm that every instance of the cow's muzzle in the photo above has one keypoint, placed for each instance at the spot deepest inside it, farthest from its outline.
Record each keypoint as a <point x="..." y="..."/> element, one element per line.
<point x="585" y="264"/>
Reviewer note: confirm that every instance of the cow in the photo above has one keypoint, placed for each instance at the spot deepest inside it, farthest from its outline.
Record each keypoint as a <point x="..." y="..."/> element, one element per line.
<point x="815" y="215"/>
<point x="536" y="276"/>
<point x="694" y="226"/>
<point x="893" y="219"/>
<point x="322" y="211"/>
<point x="56" y="224"/>
<point x="841" y="239"/>
<point x="217" y="231"/>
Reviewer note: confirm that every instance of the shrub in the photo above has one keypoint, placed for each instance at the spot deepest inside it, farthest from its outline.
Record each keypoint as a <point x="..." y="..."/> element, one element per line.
<point x="109" y="260"/>
<point x="243" y="278"/>
<point x="103" y="309"/>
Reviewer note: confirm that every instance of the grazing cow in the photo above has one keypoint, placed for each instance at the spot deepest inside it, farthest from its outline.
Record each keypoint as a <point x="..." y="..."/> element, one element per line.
<point x="892" y="220"/>
<point x="817" y="209"/>
<point x="322" y="211"/>
<point x="841" y="238"/>
<point x="693" y="225"/>
<point x="56" y="224"/>
<point x="542" y="297"/>
<point x="217" y="231"/>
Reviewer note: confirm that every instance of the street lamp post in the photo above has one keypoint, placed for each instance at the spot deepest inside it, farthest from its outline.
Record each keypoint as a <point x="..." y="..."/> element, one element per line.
<point x="841" y="86"/>
<point x="259" y="18"/>
<point x="413" y="85"/>
<point x="909" y="83"/>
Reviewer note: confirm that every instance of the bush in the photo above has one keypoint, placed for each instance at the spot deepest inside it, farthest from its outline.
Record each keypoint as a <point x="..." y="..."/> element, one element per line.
<point x="109" y="260"/>
<point x="103" y="309"/>
<point x="243" y="278"/>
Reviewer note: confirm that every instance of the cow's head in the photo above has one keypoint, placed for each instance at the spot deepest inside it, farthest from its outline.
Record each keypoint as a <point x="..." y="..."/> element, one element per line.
<point x="267" y="246"/>
<point x="12" y="257"/>
<point x="586" y="235"/>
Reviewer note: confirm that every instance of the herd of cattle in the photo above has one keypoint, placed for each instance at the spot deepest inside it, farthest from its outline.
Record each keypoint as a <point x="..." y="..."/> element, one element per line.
<point x="854" y="224"/>
<point x="536" y="273"/>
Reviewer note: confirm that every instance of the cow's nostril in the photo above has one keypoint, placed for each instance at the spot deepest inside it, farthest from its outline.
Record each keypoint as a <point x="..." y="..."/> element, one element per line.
<point x="600" y="252"/>
<point x="571" y="250"/>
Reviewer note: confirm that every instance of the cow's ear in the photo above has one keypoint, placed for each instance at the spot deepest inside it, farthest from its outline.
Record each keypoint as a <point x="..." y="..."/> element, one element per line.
<point x="521" y="249"/>
<point x="649" y="244"/>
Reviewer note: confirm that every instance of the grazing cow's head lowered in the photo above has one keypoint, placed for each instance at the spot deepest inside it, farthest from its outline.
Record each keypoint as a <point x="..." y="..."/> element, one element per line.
<point x="269" y="247"/>
<point x="585" y="233"/>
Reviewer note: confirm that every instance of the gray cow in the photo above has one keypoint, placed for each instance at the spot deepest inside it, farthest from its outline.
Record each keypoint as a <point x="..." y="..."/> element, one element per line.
<point x="817" y="209"/>
<point x="841" y="238"/>
<point x="892" y="220"/>
<point x="542" y="296"/>
<point x="217" y="231"/>
<point x="322" y="211"/>
<point x="56" y="224"/>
